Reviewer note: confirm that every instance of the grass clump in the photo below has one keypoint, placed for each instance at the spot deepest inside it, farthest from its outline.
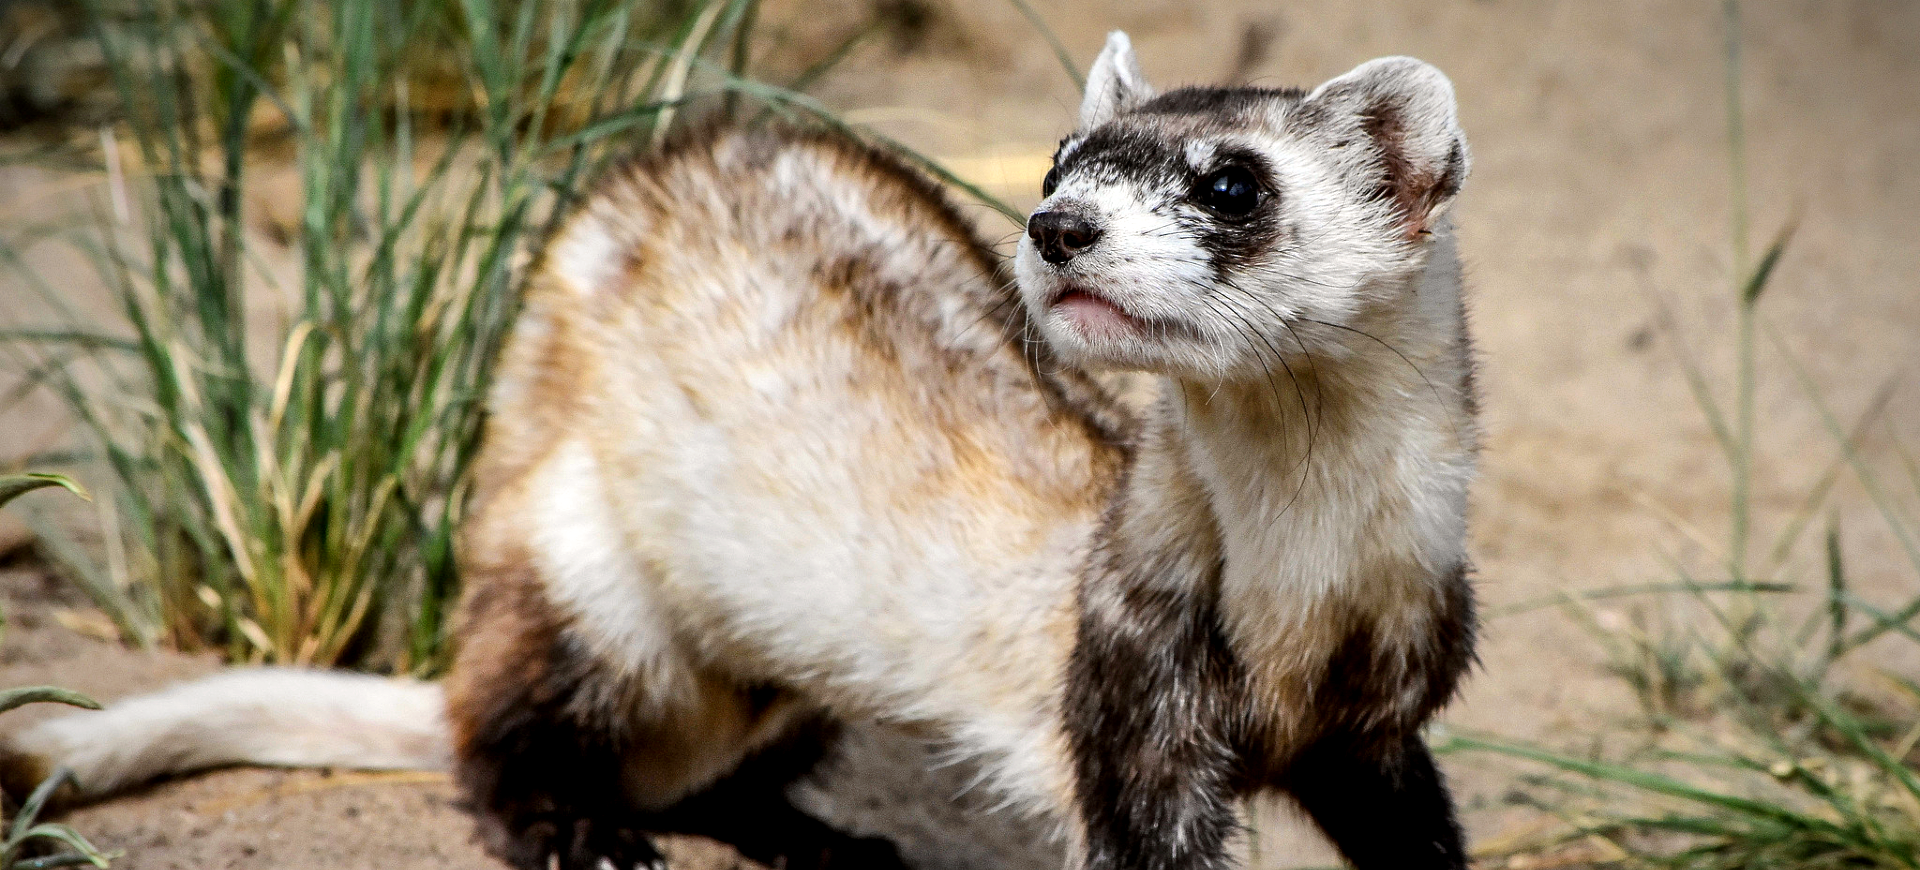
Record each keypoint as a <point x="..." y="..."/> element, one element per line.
<point x="1764" y="749"/>
<point x="287" y="488"/>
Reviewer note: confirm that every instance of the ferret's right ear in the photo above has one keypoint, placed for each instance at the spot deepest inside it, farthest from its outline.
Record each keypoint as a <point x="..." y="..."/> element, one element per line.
<point x="1114" y="85"/>
<point x="1405" y="109"/>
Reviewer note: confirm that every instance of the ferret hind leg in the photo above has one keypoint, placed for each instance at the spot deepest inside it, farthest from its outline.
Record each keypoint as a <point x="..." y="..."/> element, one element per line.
<point x="569" y="758"/>
<point x="749" y="809"/>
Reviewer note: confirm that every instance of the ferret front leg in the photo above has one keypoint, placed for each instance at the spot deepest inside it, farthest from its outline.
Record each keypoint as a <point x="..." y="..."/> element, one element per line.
<point x="1384" y="806"/>
<point x="1153" y="699"/>
<point x="1149" y="704"/>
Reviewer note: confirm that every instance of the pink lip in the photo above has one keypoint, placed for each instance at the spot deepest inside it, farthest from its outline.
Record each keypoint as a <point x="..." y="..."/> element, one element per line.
<point x="1094" y="314"/>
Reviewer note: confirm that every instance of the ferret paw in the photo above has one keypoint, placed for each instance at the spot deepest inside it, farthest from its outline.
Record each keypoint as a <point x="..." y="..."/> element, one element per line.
<point x="602" y="846"/>
<point x="582" y="844"/>
<point x="655" y="864"/>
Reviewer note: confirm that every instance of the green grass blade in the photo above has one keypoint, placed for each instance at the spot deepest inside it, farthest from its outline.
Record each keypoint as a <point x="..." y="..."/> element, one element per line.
<point x="67" y="859"/>
<point x="1695" y="378"/>
<point x="13" y="486"/>
<point x="1902" y="533"/>
<point x="12" y="698"/>
<point x="1060" y="52"/>
<point x="819" y="70"/>
<point x="1646" y="781"/>
<point x="1817" y="494"/>
<point x="775" y="95"/>
<point x="1757" y="282"/>
<point x="69" y="336"/>
<point x="1639" y="589"/>
<point x="29" y="811"/>
<point x="82" y="849"/>
<point x="1836" y="594"/>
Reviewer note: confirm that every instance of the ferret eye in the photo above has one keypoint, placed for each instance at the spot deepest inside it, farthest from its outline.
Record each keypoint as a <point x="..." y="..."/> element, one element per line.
<point x="1050" y="182"/>
<point x="1230" y="192"/>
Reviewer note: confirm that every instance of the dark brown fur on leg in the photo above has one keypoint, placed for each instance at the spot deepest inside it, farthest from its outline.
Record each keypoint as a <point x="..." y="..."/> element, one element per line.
<point x="553" y="770"/>
<point x="748" y="809"/>
<point x="1369" y="781"/>
<point x="543" y="786"/>
<point x="1384" y="806"/>
<point x="1151" y="718"/>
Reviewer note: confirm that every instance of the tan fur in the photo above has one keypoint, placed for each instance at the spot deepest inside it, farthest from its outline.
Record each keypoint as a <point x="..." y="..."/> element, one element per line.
<point x="871" y="412"/>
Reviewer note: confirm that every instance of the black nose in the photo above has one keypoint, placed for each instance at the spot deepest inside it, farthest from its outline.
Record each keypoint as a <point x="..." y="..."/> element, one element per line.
<point x="1061" y="234"/>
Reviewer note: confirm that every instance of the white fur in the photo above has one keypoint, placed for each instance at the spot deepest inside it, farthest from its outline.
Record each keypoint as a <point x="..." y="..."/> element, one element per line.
<point x="591" y="575"/>
<point x="280" y="717"/>
<point x="583" y="261"/>
<point x="1114" y="84"/>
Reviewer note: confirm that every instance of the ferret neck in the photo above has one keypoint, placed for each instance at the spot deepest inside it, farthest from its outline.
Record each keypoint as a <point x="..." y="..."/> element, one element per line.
<point x="1350" y="458"/>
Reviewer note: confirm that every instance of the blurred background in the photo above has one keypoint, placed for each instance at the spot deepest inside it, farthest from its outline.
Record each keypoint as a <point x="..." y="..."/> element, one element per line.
<point x="255" y="256"/>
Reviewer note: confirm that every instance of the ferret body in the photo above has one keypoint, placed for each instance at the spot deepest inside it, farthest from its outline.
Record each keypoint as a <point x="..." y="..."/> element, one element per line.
<point x="774" y="451"/>
<point x="765" y="455"/>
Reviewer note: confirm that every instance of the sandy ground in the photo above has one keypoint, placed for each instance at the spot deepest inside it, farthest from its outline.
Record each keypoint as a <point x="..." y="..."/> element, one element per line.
<point x="1600" y="192"/>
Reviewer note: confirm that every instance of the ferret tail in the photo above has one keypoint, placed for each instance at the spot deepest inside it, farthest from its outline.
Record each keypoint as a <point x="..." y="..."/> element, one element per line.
<point x="277" y="717"/>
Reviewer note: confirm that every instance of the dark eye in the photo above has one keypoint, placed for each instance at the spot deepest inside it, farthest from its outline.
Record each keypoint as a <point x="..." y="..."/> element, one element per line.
<point x="1230" y="192"/>
<point x="1050" y="182"/>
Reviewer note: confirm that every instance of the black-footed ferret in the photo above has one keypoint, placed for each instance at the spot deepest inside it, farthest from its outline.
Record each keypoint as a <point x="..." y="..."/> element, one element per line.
<point x="773" y="452"/>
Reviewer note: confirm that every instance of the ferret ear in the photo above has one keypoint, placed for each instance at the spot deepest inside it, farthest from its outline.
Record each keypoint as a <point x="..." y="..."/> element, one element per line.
<point x="1114" y="85"/>
<point x="1405" y="109"/>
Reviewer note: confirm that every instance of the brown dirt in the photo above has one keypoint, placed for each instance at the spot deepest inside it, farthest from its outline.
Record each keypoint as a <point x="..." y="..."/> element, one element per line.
<point x="1600" y="185"/>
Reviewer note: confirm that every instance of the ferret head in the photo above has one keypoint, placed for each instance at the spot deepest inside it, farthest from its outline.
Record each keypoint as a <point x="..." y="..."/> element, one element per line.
<point x="1191" y="233"/>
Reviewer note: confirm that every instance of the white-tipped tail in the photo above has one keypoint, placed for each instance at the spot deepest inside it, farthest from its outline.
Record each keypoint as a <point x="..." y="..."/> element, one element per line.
<point x="280" y="717"/>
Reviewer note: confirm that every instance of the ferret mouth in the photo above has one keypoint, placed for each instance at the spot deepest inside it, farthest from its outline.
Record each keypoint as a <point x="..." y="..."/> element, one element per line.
<point x="1093" y="314"/>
